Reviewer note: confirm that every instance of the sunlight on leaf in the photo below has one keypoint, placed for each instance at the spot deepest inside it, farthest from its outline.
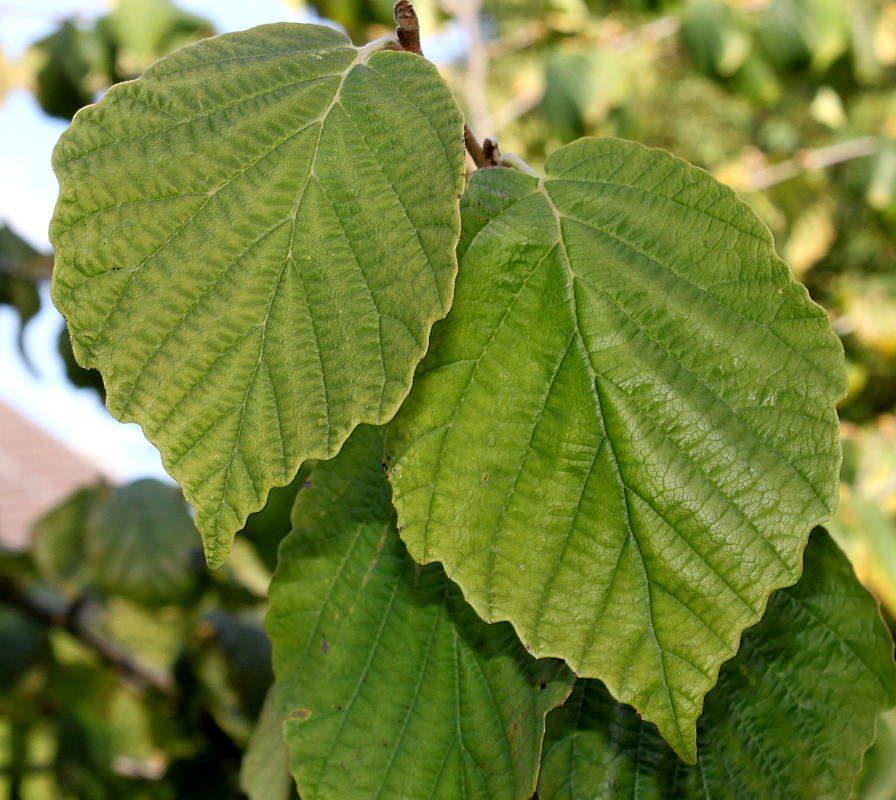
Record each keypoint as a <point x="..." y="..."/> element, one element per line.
<point x="625" y="429"/>
<point x="237" y="236"/>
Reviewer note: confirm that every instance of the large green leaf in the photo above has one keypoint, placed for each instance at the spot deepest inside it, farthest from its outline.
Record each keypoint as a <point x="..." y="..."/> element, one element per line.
<point x="625" y="429"/>
<point x="238" y="234"/>
<point x="790" y="718"/>
<point x="389" y="684"/>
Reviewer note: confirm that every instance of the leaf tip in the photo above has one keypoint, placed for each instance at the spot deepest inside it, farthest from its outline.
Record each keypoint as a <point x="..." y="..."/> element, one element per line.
<point x="681" y="736"/>
<point x="216" y="548"/>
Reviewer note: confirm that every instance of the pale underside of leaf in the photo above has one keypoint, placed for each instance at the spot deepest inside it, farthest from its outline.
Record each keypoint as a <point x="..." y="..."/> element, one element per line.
<point x="625" y="430"/>
<point x="237" y="236"/>
<point x="389" y="684"/>
<point x="790" y="718"/>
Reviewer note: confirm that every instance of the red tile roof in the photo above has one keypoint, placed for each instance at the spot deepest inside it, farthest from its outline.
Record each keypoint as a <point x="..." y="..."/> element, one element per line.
<point x="36" y="473"/>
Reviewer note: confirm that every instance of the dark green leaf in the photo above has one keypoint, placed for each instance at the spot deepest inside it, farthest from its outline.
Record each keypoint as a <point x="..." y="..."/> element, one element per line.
<point x="141" y="545"/>
<point x="247" y="653"/>
<point x="714" y="37"/>
<point x="70" y="66"/>
<point x="21" y="270"/>
<point x="389" y="684"/>
<point x="58" y="541"/>
<point x="23" y="643"/>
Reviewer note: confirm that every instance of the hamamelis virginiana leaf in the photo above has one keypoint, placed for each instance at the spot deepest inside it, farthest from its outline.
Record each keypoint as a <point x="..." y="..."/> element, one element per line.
<point x="625" y="430"/>
<point x="252" y="242"/>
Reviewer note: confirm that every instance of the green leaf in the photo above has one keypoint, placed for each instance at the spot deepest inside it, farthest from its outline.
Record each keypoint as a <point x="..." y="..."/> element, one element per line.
<point x="791" y="716"/>
<point x="580" y="89"/>
<point x="389" y="684"/>
<point x="21" y="269"/>
<point x="878" y="778"/>
<point x="145" y="30"/>
<point x="140" y="545"/>
<point x="237" y="236"/>
<point x="23" y="644"/>
<point x="625" y="429"/>
<point x="804" y="33"/>
<point x="264" y="773"/>
<point x="58" y="541"/>
<point x="247" y="657"/>
<point x="715" y="37"/>
<point x="67" y="69"/>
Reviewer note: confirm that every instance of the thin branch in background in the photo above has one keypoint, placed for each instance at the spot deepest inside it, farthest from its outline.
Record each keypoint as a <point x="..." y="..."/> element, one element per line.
<point x="70" y="619"/>
<point x="807" y="160"/>
<point x="606" y="36"/>
<point x="519" y="39"/>
<point x="468" y="13"/>
<point x="649" y="33"/>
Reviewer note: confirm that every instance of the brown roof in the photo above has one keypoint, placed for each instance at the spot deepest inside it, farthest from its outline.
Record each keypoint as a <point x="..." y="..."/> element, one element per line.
<point x="36" y="473"/>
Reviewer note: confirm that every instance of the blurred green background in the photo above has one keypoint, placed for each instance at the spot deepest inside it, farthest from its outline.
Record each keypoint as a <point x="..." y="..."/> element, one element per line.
<point x="126" y="669"/>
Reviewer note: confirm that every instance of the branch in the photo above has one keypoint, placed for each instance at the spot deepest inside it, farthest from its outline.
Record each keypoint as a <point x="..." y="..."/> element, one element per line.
<point x="475" y="149"/>
<point x="139" y="677"/>
<point x="408" y="30"/>
<point x="408" y="33"/>
<point x="648" y="33"/>
<point x="807" y="160"/>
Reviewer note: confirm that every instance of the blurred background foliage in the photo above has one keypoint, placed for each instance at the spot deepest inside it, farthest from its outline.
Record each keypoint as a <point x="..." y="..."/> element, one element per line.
<point x="127" y="669"/>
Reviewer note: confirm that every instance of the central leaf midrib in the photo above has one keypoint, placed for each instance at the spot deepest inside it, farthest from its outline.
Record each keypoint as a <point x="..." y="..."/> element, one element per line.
<point x="778" y="457"/>
<point x="626" y="485"/>
<point x="703" y="291"/>
<point x="611" y="450"/>
<point x="321" y="120"/>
